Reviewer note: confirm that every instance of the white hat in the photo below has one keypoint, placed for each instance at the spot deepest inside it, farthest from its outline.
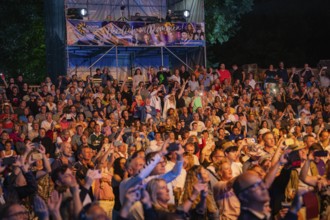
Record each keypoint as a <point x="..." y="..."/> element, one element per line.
<point x="263" y="131"/>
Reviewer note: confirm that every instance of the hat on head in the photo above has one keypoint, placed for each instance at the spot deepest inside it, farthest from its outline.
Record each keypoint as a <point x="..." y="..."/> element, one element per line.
<point x="239" y="138"/>
<point x="263" y="131"/>
<point x="229" y="146"/>
<point x="316" y="147"/>
<point x="295" y="147"/>
<point x="255" y="151"/>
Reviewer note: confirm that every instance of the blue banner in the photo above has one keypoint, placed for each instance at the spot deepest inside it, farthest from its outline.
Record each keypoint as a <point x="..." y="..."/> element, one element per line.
<point x="135" y="33"/>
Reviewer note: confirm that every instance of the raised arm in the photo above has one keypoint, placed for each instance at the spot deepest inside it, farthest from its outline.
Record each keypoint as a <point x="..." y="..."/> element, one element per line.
<point x="198" y="188"/>
<point x="4" y="81"/>
<point x="45" y="159"/>
<point x="310" y="180"/>
<point x="271" y="175"/>
<point x="123" y="84"/>
<point x="171" y="175"/>
<point x="182" y="88"/>
<point x="278" y="151"/>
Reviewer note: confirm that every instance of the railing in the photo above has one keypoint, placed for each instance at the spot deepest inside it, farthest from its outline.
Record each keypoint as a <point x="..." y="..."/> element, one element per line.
<point x="34" y="88"/>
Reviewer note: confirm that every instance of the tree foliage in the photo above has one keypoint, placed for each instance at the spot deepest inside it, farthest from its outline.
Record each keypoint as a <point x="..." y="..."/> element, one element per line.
<point x="222" y="18"/>
<point x="22" y="39"/>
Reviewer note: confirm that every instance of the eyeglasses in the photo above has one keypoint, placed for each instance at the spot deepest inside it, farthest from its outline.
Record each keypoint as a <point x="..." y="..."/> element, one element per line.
<point x="254" y="186"/>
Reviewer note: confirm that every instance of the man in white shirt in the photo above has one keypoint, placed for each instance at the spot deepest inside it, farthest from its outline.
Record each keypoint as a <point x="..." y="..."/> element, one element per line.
<point x="155" y="145"/>
<point x="200" y="124"/>
<point x="49" y="123"/>
<point x="232" y="154"/>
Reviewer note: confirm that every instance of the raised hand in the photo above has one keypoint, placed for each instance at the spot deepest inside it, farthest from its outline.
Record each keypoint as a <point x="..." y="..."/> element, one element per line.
<point x="93" y="174"/>
<point x="29" y="146"/>
<point x="131" y="195"/>
<point x="199" y="187"/>
<point x="54" y="202"/>
<point x="165" y="146"/>
<point x="42" y="149"/>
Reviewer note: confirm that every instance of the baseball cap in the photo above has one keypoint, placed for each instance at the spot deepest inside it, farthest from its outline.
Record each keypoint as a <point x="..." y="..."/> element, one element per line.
<point x="239" y="138"/>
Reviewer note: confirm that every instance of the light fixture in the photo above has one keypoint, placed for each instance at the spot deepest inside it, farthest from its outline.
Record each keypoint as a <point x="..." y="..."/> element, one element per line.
<point x="83" y="12"/>
<point x="77" y="13"/>
<point x="186" y="13"/>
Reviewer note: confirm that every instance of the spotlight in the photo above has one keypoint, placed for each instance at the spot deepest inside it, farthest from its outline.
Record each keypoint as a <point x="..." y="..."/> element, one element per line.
<point x="77" y="13"/>
<point x="83" y="11"/>
<point x="186" y="13"/>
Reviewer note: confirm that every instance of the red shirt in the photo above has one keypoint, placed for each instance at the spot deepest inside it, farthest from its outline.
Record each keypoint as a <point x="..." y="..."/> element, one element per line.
<point x="223" y="74"/>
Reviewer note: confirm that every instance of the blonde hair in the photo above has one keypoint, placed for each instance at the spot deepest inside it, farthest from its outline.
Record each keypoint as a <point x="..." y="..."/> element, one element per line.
<point x="219" y="165"/>
<point x="189" y="159"/>
<point x="152" y="188"/>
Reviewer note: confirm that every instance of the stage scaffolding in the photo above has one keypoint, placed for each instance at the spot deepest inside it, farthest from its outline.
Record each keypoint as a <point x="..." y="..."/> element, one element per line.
<point x="94" y="42"/>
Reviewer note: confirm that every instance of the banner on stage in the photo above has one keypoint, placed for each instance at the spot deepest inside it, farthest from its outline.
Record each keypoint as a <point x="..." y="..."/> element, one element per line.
<point x="135" y="33"/>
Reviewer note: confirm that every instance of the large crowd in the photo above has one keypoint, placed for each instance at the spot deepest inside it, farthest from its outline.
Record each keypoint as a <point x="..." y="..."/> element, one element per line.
<point x="212" y="144"/>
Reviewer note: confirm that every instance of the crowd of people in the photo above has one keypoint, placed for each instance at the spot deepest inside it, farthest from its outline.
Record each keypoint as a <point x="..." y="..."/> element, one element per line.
<point x="172" y="144"/>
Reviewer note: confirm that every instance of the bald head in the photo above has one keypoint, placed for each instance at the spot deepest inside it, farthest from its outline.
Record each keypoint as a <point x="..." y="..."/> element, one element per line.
<point x="250" y="189"/>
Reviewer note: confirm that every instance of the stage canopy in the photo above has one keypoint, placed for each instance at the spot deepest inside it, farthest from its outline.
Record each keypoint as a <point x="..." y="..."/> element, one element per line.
<point x="103" y="38"/>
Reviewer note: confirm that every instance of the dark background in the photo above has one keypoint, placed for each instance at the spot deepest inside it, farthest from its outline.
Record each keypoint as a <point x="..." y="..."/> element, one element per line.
<point x="295" y="31"/>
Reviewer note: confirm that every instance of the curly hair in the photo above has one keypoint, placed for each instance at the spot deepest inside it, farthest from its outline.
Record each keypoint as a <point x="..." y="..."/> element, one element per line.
<point x="191" y="180"/>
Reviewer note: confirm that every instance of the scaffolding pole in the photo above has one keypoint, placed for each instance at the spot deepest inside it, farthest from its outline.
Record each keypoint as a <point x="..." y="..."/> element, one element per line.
<point x="178" y="58"/>
<point x="101" y="57"/>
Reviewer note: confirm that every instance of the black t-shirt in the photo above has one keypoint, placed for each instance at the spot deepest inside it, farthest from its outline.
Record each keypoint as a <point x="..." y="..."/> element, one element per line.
<point x="128" y="96"/>
<point x="237" y="74"/>
<point x="14" y="99"/>
<point x="184" y="75"/>
<point x="270" y="74"/>
<point x="279" y="105"/>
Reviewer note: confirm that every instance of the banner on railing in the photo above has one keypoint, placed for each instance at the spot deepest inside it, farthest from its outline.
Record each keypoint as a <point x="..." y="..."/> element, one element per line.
<point x="135" y="33"/>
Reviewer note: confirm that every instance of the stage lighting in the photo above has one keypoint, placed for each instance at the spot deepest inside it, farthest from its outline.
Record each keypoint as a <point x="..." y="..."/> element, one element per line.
<point x="83" y="11"/>
<point x="186" y="13"/>
<point x="77" y="13"/>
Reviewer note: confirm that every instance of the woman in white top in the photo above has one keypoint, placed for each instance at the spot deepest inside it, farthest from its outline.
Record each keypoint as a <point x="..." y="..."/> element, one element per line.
<point x="193" y="83"/>
<point x="169" y="103"/>
<point x="137" y="78"/>
<point x="8" y="152"/>
<point x="175" y="77"/>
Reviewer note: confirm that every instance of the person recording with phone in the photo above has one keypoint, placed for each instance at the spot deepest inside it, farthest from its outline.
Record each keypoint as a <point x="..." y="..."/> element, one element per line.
<point x="320" y="182"/>
<point x="159" y="171"/>
<point x="46" y="142"/>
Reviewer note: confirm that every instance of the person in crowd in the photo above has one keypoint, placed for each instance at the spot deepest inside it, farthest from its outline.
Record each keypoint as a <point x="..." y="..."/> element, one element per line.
<point x="254" y="198"/>
<point x="193" y="145"/>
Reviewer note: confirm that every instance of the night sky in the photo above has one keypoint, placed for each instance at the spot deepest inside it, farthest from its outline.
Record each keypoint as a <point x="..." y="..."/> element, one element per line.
<point x="295" y="31"/>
